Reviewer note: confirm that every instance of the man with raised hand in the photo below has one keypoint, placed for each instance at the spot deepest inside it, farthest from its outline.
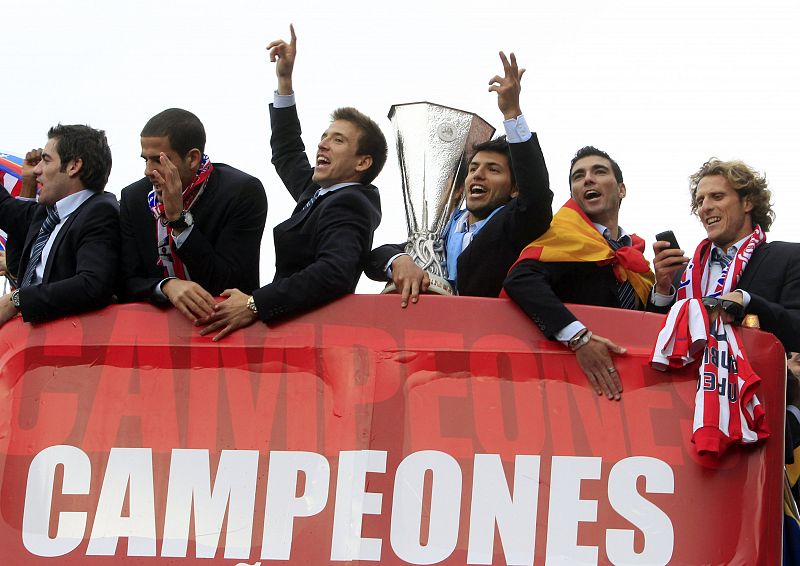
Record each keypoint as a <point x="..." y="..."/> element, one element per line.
<point x="321" y="249"/>
<point x="508" y="204"/>
<point x="585" y="258"/>
<point x="735" y="263"/>
<point x="70" y="238"/>
<point x="190" y="228"/>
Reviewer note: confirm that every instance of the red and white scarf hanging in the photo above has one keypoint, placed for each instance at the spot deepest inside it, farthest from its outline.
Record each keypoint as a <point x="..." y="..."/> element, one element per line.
<point x="167" y="257"/>
<point x="726" y="408"/>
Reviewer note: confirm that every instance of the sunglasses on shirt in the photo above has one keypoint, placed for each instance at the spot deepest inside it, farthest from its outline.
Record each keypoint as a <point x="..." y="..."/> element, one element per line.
<point x="732" y="308"/>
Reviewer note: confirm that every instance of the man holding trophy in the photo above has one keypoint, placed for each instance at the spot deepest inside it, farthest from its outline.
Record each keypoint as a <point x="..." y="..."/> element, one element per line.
<point x="508" y="204"/>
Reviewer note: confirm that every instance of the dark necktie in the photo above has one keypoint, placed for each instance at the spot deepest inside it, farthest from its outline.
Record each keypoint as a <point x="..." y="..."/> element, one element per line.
<point x="38" y="246"/>
<point x="720" y="257"/>
<point x="311" y="201"/>
<point x="625" y="294"/>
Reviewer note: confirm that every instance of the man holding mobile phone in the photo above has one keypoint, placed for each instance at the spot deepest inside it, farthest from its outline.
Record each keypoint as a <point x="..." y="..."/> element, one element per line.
<point x="732" y="202"/>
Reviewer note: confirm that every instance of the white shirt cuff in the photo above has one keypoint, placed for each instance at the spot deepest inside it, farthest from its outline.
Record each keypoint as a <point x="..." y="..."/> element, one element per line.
<point x="517" y="130"/>
<point x="565" y="334"/>
<point x="283" y="100"/>
<point x="181" y="238"/>
<point x="660" y="300"/>
<point x="158" y="292"/>
<point x="388" y="268"/>
<point x="745" y="297"/>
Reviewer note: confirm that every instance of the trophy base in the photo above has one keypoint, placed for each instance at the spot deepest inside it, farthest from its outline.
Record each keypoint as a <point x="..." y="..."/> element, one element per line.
<point x="438" y="286"/>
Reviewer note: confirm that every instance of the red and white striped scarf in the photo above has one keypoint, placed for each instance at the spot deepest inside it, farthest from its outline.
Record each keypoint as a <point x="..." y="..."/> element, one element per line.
<point x="167" y="256"/>
<point x="726" y="408"/>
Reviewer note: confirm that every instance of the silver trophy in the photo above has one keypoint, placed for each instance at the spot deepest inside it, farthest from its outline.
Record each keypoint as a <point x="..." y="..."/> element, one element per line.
<point x="432" y="146"/>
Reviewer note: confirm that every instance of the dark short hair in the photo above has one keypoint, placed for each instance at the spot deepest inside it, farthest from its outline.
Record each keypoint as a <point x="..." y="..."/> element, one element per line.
<point x="90" y="146"/>
<point x="184" y="130"/>
<point x="745" y="180"/>
<point x="497" y="145"/>
<point x="371" y="142"/>
<point x="591" y="150"/>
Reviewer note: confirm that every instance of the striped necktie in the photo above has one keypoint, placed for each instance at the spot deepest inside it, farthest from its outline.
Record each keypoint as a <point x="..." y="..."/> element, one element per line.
<point x="720" y="257"/>
<point x="311" y="201"/>
<point x="49" y="224"/>
<point x="625" y="293"/>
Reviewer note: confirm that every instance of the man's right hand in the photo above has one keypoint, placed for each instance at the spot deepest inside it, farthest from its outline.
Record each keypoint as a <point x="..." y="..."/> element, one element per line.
<point x="282" y="54"/>
<point x="508" y="87"/>
<point x="409" y="278"/>
<point x="595" y="361"/>
<point x="32" y="159"/>
<point x="189" y="298"/>
<point x="666" y="264"/>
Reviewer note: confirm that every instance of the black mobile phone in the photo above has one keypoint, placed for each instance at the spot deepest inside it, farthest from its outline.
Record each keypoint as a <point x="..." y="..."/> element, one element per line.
<point x="668" y="236"/>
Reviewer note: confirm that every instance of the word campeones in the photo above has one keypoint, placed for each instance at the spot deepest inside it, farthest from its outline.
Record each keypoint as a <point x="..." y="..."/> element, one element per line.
<point x="298" y="487"/>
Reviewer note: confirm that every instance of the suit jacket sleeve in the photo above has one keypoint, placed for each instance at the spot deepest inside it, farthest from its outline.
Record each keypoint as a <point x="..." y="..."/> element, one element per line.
<point x="135" y="284"/>
<point x="220" y="265"/>
<point x="95" y="245"/>
<point x="782" y="316"/>
<point x="16" y="216"/>
<point x="288" y="152"/>
<point x="347" y="220"/>
<point x="530" y="284"/>
<point x="534" y="203"/>
<point x="379" y="257"/>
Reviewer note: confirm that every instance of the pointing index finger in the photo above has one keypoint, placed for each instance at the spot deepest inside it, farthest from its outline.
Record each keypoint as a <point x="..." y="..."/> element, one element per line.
<point x="294" y="36"/>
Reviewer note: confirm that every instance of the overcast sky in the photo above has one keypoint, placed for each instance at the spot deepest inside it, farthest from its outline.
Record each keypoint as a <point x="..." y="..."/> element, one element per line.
<point x="661" y="85"/>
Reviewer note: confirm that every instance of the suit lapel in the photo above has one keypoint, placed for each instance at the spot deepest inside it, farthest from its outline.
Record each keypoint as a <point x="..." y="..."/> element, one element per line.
<point x="62" y="232"/>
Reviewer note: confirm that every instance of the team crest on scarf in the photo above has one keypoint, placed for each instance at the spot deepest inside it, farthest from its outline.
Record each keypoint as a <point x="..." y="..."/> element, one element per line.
<point x="168" y="258"/>
<point x="727" y="410"/>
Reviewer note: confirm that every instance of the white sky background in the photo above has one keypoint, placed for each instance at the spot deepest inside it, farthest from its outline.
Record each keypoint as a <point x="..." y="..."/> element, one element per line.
<point x="660" y="85"/>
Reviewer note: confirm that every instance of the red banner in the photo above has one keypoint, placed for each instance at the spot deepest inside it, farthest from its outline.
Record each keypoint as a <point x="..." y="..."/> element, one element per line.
<point x="450" y="432"/>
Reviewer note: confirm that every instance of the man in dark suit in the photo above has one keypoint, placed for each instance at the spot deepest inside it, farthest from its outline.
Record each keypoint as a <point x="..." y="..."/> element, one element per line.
<point x="69" y="259"/>
<point x="541" y="286"/>
<point x="732" y="200"/>
<point x="190" y="228"/>
<point x="321" y="248"/>
<point x="508" y="204"/>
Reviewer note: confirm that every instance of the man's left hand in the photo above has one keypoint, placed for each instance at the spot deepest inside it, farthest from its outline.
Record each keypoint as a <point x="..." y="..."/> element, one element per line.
<point x="171" y="188"/>
<point x="7" y="309"/>
<point x="229" y="315"/>
<point x="736" y="297"/>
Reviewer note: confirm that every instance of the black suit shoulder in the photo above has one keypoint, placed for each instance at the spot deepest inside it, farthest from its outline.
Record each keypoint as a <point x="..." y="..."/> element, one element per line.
<point x="320" y="254"/>
<point x="223" y="248"/>
<point x="82" y="264"/>
<point x="772" y="278"/>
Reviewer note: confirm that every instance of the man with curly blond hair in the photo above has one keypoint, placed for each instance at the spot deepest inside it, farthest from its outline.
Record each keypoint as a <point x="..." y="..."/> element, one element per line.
<point x="732" y="201"/>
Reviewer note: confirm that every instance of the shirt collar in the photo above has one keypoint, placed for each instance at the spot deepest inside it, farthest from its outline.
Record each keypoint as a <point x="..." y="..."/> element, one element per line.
<point x="70" y="204"/>
<point x="462" y="221"/>
<point x="731" y="251"/>
<point x="335" y="187"/>
<point x="624" y="237"/>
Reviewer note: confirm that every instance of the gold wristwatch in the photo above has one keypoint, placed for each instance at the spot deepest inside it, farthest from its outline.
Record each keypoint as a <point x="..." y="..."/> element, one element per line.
<point x="251" y="304"/>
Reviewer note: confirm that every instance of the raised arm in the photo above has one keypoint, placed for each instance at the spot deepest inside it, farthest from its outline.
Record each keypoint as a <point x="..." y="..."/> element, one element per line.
<point x="508" y="87"/>
<point x="283" y="54"/>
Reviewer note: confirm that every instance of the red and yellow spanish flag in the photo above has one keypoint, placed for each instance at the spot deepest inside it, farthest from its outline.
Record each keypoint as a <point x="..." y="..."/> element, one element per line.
<point x="573" y="237"/>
